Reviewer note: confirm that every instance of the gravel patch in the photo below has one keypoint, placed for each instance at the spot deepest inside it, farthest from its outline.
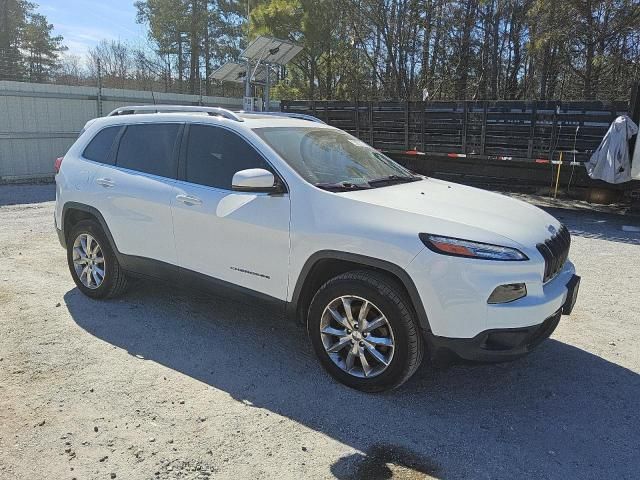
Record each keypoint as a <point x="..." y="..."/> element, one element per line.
<point x="169" y="384"/>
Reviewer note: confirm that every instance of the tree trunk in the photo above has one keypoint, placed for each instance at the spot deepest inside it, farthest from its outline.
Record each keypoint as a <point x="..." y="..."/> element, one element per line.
<point x="465" y="51"/>
<point x="495" y="52"/>
<point x="194" y="42"/>
<point x="426" y="43"/>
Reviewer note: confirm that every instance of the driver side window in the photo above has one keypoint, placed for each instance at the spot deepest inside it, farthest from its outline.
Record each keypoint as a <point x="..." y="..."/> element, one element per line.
<point x="215" y="154"/>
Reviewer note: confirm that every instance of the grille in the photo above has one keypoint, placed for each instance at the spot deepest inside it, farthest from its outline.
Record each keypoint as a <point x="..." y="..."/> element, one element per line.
<point x="555" y="252"/>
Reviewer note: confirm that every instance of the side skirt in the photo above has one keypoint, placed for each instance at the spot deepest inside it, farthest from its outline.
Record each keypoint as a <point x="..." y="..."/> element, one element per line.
<point x="147" y="268"/>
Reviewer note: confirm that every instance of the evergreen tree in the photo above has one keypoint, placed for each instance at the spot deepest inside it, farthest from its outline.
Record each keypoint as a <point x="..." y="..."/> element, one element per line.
<point x="28" y="49"/>
<point x="41" y="48"/>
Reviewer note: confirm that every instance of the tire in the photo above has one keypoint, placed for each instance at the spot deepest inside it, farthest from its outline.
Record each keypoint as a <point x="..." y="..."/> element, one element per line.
<point x="114" y="280"/>
<point x="384" y="296"/>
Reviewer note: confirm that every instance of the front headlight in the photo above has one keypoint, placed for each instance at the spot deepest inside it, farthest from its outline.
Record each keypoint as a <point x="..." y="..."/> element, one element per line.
<point x="466" y="248"/>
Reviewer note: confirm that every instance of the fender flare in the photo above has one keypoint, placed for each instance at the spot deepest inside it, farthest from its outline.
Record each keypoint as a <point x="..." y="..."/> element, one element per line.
<point x="365" y="261"/>
<point x="95" y="213"/>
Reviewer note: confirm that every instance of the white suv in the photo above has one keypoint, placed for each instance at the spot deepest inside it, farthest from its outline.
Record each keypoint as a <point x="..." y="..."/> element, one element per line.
<point x="379" y="264"/>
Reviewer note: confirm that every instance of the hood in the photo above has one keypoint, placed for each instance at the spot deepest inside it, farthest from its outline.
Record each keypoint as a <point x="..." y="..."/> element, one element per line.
<point x="453" y="209"/>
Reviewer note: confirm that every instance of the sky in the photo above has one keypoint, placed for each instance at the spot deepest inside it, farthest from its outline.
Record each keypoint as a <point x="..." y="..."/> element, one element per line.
<point x="83" y="23"/>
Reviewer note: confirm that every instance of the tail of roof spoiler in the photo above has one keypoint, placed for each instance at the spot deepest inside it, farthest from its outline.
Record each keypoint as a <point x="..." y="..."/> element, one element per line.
<point x="86" y="125"/>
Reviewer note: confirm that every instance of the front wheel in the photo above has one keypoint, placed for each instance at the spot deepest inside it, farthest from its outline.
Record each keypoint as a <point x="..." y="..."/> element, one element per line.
<point x="363" y="330"/>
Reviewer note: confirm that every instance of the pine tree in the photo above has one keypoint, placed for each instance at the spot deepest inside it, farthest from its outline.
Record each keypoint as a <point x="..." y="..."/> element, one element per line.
<point x="41" y="48"/>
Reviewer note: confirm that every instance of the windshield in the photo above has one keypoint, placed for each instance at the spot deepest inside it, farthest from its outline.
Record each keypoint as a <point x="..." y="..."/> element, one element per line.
<point x="332" y="158"/>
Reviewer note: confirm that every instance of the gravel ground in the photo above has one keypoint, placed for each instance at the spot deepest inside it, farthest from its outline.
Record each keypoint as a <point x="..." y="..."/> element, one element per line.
<point x="169" y="384"/>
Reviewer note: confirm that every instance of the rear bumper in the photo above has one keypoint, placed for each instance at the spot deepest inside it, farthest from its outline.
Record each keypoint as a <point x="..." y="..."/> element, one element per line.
<point x="496" y="345"/>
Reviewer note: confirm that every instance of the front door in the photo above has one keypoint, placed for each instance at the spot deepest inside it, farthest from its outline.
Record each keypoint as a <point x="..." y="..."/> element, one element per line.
<point x="237" y="237"/>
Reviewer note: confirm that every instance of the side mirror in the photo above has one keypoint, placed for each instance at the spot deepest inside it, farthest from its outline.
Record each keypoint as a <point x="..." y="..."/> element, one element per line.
<point x="255" y="180"/>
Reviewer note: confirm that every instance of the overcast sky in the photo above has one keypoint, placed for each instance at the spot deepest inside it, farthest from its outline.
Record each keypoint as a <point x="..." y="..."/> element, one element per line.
<point x="83" y="23"/>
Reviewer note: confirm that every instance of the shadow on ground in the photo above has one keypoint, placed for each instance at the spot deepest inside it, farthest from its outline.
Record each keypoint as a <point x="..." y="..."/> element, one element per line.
<point x="27" y="193"/>
<point x="598" y="225"/>
<point x="560" y="412"/>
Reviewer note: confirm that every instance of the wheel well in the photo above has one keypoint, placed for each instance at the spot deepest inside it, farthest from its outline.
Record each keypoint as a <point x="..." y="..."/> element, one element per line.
<point x="324" y="270"/>
<point x="74" y="215"/>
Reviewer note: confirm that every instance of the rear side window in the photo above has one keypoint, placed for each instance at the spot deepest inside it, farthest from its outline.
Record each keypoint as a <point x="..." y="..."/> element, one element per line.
<point x="214" y="155"/>
<point x="99" y="148"/>
<point x="149" y="148"/>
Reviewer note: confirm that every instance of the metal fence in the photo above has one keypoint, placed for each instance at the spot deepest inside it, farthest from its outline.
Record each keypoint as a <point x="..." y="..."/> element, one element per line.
<point x="39" y="122"/>
<point x="502" y="130"/>
<point x="515" y="143"/>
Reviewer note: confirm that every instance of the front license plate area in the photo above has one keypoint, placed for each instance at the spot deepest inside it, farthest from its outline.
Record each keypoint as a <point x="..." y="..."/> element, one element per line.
<point x="572" y="295"/>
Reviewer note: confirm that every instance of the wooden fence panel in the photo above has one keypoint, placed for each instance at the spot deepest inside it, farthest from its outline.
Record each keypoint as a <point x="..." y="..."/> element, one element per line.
<point x="517" y="130"/>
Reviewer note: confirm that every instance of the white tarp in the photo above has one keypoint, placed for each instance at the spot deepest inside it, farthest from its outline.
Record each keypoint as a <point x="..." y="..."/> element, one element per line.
<point x="635" y="162"/>
<point x="611" y="162"/>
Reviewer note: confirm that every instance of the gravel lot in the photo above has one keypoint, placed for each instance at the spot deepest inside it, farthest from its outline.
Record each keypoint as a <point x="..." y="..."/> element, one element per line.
<point x="169" y="384"/>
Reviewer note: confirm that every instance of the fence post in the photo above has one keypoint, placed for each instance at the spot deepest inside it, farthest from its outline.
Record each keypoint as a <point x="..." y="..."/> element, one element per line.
<point x="532" y="128"/>
<point x="634" y="112"/>
<point x="422" y="123"/>
<point x="483" y="135"/>
<point x="371" y="124"/>
<point x="99" y="96"/>
<point x="357" y="118"/>
<point x="406" y="125"/>
<point x="554" y="130"/>
<point x="465" y="123"/>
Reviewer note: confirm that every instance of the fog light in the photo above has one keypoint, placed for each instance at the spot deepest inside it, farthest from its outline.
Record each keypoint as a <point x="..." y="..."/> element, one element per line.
<point x="508" y="293"/>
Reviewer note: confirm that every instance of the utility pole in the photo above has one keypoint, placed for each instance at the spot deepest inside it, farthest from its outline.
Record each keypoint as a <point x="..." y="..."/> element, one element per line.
<point x="248" y="101"/>
<point x="99" y="96"/>
<point x="267" y="86"/>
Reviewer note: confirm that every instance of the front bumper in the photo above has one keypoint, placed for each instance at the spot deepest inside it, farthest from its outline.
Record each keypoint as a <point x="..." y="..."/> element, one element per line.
<point x="496" y="345"/>
<point x="503" y="344"/>
<point x="454" y="292"/>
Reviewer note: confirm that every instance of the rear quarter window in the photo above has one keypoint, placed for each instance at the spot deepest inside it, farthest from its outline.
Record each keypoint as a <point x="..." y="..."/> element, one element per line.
<point x="101" y="145"/>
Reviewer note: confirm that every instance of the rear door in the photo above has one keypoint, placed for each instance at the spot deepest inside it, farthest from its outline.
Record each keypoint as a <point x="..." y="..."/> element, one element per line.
<point x="238" y="237"/>
<point x="137" y="190"/>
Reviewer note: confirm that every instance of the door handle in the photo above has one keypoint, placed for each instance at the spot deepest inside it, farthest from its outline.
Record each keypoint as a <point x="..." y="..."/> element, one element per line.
<point x="105" y="182"/>
<point x="188" y="199"/>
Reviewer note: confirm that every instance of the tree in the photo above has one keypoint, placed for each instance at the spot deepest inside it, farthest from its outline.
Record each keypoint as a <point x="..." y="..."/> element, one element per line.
<point x="13" y="19"/>
<point x="28" y="49"/>
<point x="362" y="49"/>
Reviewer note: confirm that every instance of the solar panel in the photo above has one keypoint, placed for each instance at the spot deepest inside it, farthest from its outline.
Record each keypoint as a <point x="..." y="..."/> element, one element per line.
<point x="237" y="72"/>
<point x="271" y="50"/>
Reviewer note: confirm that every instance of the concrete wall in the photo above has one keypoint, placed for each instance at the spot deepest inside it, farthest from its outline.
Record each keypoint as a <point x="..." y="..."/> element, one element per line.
<point x="39" y="122"/>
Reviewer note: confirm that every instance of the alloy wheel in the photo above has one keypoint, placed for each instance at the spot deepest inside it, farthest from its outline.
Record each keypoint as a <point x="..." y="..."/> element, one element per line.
<point x="357" y="336"/>
<point x="88" y="261"/>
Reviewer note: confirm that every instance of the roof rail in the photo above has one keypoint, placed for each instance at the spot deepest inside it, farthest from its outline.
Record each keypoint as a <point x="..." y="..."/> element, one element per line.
<point x="301" y="116"/>
<point x="214" y="111"/>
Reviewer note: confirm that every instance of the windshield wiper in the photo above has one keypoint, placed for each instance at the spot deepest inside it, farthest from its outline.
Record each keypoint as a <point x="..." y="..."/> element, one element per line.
<point x="394" y="179"/>
<point x="342" y="186"/>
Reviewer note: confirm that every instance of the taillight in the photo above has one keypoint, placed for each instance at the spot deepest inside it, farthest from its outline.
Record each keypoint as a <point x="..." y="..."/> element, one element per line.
<point x="57" y="164"/>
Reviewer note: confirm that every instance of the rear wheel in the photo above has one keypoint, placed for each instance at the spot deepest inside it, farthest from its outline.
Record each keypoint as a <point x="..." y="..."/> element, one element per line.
<point x="364" y="331"/>
<point x="92" y="262"/>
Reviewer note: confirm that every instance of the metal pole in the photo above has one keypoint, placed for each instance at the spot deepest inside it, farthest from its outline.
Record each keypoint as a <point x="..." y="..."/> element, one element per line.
<point x="99" y="97"/>
<point x="247" y="89"/>
<point x="266" y="91"/>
